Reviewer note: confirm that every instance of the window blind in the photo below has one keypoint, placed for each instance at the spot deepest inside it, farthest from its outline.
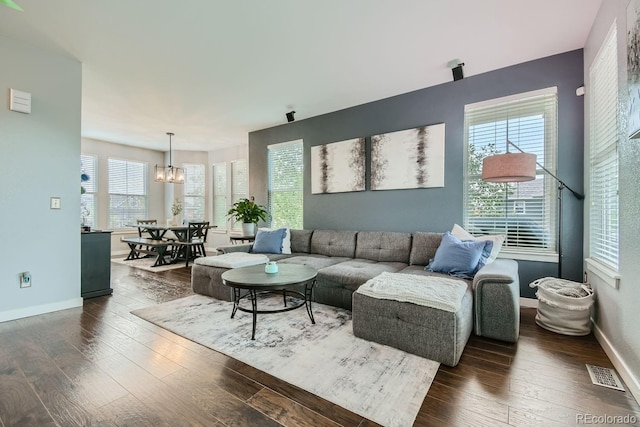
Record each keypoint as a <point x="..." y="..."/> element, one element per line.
<point x="193" y="195"/>
<point x="285" y="198"/>
<point x="524" y="212"/>
<point x="603" y="154"/>
<point x="127" y="192"/>
<point x="89" y="165"/>
<point x="219" y="171"/>
<point x="239" y="184"/>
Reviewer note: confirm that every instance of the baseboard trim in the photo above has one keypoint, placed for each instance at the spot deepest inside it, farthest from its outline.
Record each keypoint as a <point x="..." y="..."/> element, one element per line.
<point x="35" y="310"/>
<point x="529" y="302"/>
<point x="121" y="252"/>
<point x="633" y="383"/>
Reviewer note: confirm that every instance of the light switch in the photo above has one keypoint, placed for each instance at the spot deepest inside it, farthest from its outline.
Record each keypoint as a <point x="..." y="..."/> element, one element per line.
<point x="19" y="101"/>
<point x="55" y="203"/>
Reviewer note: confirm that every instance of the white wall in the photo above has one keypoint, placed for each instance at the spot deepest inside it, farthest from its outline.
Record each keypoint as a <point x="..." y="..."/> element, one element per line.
<point x="617" y="313"/>
<point x="40" y="159"/>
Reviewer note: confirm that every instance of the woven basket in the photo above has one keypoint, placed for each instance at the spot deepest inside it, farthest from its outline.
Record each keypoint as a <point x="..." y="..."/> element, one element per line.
<point x="564" y="306"/>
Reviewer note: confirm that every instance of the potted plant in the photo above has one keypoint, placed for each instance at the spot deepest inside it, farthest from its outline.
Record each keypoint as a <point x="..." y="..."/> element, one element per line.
<point x="248" y="213"/>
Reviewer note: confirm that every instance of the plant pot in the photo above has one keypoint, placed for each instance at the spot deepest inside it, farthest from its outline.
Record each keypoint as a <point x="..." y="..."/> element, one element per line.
<point x="248" y="229"/>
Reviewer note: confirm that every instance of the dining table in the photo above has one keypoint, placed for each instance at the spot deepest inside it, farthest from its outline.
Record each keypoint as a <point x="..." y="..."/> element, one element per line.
<point x="158" y="232"/>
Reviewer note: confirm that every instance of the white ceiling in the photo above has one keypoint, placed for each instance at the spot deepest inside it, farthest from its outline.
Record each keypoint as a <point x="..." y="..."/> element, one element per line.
<point x="211" y="70"/>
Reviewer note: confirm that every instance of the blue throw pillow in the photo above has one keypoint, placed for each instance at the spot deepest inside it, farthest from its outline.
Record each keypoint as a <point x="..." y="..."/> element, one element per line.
<point x="460" y="258"/>
<point x="269" y="241"/>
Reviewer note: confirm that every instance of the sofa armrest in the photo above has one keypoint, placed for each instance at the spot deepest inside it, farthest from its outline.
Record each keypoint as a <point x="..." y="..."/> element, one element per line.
<point x="496" y="295"/>
<point x="226" y="249"/>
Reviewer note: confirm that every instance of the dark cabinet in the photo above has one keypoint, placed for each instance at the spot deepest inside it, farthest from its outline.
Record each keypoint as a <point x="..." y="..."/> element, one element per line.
<point x="95" y="264"/>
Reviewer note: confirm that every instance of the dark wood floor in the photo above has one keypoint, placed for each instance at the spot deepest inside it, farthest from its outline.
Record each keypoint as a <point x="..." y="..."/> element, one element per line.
<point x="100" y="365"/>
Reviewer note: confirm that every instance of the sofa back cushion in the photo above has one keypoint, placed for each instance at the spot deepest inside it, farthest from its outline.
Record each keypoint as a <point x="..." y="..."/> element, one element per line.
<point x="424" y="247"/>
<point x="383" y="246"/>
<point x="301" y="241"/>
<point x="333" y="243"/>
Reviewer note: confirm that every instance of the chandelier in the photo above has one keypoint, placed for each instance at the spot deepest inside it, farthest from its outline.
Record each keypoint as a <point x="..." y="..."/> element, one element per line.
<point x="169" y="174"/>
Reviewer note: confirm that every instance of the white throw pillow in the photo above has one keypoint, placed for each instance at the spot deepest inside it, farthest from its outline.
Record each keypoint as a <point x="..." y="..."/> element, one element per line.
<point x="497" y="240"/>
<point x="286" y="242"/>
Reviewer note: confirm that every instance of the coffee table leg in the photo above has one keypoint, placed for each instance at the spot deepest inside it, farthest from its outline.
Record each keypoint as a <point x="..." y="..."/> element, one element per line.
<point x="308" y="292"/>
<point x="254" y="306"/>
<point x="236" y="301"/>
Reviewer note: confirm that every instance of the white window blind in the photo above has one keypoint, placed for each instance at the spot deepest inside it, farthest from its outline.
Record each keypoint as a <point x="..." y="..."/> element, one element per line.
<point x="127" y="192"/>
<point x="193" y="195"/>
<point x="239" y="184"/>
<point x="89" y="166"/>
<point x="603" y="154"/>
<point x="525" y="212"/>
<point x="285" y="197"/>
<point x="219" y="171"/>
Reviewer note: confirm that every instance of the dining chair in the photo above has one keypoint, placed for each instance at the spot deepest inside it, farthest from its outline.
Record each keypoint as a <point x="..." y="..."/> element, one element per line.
<point x="198" y="234"/>
<point x="141" y="230"/>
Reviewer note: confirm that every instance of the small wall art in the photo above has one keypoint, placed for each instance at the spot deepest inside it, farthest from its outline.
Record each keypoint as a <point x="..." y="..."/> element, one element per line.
<point x="633" y="67"/>
<point x="412" y="158"/>
<point x="338" y="167"/>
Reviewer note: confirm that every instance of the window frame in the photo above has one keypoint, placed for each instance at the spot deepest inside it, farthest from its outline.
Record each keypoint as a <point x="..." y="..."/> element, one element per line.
<point x="110" y="194"/>
<point x="274" y="219"/>
<point x="223" y="223"/>
<point x="91" y="191"/>
<point x="507" y="109"/>
<point x="604" y="130"/>
<point x="190" y="172"/>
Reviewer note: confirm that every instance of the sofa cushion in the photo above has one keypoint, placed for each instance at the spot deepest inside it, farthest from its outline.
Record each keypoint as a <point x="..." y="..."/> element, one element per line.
<point x="460" y="258"/>
<point x="353" y="273"/>
<point x="383" y="246"/>
<point x="424" y="247"/>
<point x="269" y="241"/>
<point x="314" y="261"/>
<point x="420" y="271"/>
<point x="301" y="241"/>
<point x="334" y="243"/>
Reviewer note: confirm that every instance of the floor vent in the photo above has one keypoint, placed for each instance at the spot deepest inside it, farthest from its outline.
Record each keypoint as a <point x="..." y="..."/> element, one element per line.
<point x="605" y="377"/>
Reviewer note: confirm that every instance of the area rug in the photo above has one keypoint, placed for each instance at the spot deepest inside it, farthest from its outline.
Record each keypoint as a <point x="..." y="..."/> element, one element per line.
<point x="146" y="264"/>
<point x="375" y="381"/>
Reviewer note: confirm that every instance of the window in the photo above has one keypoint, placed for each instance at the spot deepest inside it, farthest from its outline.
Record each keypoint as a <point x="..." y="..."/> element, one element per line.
<point x="525" y="212"/>
<point x="219" y="172"/>
<point x="127" y="192"/>
<point x="89" y="166"/>
<point x="193" y="197"/>
<point x="285" y="184"/>
<point x="603" y="154"/>
<point x="239" y="184"/>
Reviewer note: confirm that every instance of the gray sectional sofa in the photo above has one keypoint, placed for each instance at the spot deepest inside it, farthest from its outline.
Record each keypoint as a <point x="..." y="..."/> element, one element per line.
<point x="347" y="259"/>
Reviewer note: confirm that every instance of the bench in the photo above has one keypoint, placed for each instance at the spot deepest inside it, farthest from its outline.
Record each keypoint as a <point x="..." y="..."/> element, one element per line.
<point x="138" y="245"/>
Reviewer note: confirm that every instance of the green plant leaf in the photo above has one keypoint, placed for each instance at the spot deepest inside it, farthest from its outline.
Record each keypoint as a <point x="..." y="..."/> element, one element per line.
<point x="11" y="4"/>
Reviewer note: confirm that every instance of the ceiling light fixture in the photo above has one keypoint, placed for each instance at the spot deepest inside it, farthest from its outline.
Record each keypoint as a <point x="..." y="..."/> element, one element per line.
<point x="169" y="174"/>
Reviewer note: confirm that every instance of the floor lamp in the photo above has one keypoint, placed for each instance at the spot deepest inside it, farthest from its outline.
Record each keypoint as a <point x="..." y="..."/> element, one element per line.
<point x="518" y="167"/>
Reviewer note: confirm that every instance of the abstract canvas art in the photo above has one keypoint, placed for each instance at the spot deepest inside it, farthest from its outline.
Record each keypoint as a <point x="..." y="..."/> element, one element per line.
<point x="338" y="167"/>
<point x="633" y="67"/>
<point x="412" y="158"/>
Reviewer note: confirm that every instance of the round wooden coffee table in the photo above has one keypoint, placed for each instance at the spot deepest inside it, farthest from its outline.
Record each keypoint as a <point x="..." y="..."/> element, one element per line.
<point x="256" y="281"/>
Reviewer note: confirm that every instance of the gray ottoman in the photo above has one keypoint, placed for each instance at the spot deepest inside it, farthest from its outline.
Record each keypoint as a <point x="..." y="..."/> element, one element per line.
<point x="428" y="332"/>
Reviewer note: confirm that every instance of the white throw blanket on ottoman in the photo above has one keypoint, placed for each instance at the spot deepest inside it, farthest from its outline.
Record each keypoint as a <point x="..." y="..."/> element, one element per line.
<point x="430" y="291"/>
<point x="233" y="260"/>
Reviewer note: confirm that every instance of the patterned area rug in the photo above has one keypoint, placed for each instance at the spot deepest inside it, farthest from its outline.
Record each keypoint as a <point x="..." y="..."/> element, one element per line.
<point x="146" y="264"/>
<point x="378" y="382"/>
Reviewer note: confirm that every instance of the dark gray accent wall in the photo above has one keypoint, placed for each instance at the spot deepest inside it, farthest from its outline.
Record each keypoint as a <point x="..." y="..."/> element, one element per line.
<point x="437" y="209"/>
